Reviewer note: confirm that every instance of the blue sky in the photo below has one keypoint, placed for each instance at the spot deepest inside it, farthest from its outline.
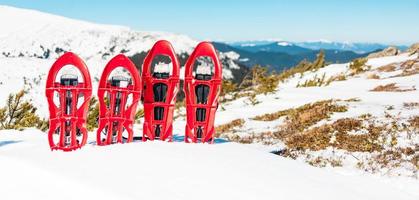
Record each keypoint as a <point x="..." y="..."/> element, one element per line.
<point x="392" y="22"/>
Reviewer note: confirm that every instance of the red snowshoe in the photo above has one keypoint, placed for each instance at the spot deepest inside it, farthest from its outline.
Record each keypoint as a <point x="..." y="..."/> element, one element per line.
<point x="160" y="89"/>
<point x="68" y="111"/>
<point x="118" y="96"/>
<point x="201" y="93"/>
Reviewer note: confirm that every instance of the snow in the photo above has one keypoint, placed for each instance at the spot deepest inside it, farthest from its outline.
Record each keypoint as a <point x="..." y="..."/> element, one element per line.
<point x="378" y="62"/>
<point x="231" y="54"/>
<point x="38" y="32"/>
<point x="283" y="44"/>
<point x="162" y="170"/>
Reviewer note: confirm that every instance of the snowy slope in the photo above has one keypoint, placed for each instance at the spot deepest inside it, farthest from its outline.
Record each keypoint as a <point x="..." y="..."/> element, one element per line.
<point x="384" y="107"/>
<point x="161" y="170"/>
<point x="31" y="33"/>
<point x="31" y="41"/>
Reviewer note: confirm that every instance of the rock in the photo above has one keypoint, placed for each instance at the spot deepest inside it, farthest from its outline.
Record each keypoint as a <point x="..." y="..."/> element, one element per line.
<point x="389" y="51"/>
<point x="413" y="49"/>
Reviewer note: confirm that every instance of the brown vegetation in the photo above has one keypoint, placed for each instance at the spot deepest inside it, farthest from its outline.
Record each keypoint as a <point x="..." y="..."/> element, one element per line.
<point x="411" y="105"/>
<point x="358" y="65"/>
<point x="314" y="111"/>
<point x="391" y="87"/>
<point x="387" y="68"/>
<point x="228" y="126"/>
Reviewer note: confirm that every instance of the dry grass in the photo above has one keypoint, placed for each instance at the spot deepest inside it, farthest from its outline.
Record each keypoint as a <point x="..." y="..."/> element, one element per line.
<point x="320" y="161"/>
<point x="319" y="138"/>
<point x="414" y="122"/>
<point x="315" y="82"/>
<point x="362" y="134"/>
<point x="410" y="67"/>
<point x="387" y="68"/>
<point x="352" y="100"/>
<point x="272" y="116"/>
<point x="386" y="88"/>
<point x="339" y="77"/>
<point x="373" y="76"/>
<point x="266" y="138"/>
<point x="320" y="109"/>
<point x="228" y="126"/>
<point x="411" y="105"/>
<point x="391" y="87"/>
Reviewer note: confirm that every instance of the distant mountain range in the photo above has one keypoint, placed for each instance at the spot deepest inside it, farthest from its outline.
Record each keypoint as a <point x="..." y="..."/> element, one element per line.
<point x="291" y="47"/>
<point x="281" y="55"/>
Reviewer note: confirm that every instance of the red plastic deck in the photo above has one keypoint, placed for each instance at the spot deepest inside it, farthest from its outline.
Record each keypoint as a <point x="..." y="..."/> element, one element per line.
<point x="201" y="130"/>
<point x="158" y="115"/>
<point x="67" y="119"/>
<point x="116" y="115"/>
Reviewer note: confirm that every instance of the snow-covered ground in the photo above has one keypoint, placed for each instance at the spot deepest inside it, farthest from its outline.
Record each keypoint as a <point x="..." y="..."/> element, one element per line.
<point x="162" y="170"/>
<point x="225" y="170"/>
<point x="384" y="107"/>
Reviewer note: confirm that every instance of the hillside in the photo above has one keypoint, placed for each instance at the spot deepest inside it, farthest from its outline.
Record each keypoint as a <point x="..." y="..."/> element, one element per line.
<point x="343" y="115"/>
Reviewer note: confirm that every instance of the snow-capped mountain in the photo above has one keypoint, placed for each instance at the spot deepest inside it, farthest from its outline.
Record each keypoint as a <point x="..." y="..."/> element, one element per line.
<point x="30" y="33"/>
<point x="33" y="34"/>
<point x="277" y="46"/>
<point x="345" y="46"/>
<point x="357" y="47"/>
<point x="282" y="55"/>
<point x="30" y="42"/>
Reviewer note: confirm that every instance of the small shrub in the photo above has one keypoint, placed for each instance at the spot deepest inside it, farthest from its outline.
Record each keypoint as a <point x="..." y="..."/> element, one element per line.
<point x="414" y="122"/>
<point x="358" y="66"/>
<point x="315" y="82"/>
<point x="411" y="105"/>
<point x="252" y="99"/>
<point x="19" y="114"/>
<point x="228" y="87"/>
<point x="304" y="66"/>
<point x="373" y="76"/>
<point x="93" y="114"/>
<point x="138" y="115"/>
<point x="340" y="77"/>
